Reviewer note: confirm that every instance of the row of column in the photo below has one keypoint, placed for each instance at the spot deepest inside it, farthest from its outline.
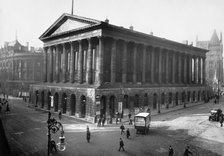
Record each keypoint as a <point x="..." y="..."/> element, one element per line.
<point x="81" y="66"/>
<point x="166" y="66"/>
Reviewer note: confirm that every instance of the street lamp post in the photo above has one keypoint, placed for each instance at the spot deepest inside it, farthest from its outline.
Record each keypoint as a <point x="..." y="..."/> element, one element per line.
<point x="53" y="127"/>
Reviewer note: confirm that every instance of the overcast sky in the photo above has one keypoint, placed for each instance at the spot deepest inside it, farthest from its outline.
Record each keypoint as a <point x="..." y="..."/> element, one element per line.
<point x="176" y="20"/>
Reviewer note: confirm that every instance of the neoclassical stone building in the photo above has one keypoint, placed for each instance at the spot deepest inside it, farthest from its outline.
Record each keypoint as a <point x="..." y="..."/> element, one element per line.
<point x="92" y="67"/>
<point x="20" y="66"/>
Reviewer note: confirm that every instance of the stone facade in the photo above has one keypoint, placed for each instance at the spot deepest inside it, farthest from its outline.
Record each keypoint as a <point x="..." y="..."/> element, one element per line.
<point x="214" y="60"/>
<point x="19" y="67"/>
<point x="94" y="68"/>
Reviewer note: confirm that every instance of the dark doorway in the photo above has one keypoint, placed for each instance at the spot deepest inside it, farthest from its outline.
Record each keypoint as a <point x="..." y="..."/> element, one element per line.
<point x="112" y="106"/>
<point x="56" y="102"/>
<point x="37" y="99"/>
<point x="170" y="98"/>
<point x="49" y="101"/>
<point x="42" y="99"/>
<point x="102" y="106"/>
<point x="183" y="97"/>
<point x="83" y="106"/>
<point x="64" y="102"/>
<point x="155" y="101"/>
<point x="136" y="104"/>
<point x="125" y="102"/>
<point x="176" y="99"/>
<point x="73" y="104"/>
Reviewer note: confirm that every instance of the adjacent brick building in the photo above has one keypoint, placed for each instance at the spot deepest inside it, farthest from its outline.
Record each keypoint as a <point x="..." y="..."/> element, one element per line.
<point x="94" y="68"/>
<point x="19" y="67"/>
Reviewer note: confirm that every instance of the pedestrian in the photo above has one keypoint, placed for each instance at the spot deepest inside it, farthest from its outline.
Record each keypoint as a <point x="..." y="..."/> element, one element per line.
<point x="59" y="114"/>
<point x="122" y="129"/>
<point x="53" y="146"/>
<point x="129" y="116"/>
<point x="187" y="151"/>
<point x="88" y="134"/>
<point x="0" y="108"/>
<point x="116" y="118"/>
<point x="7" y="108"/>
<point x="128" y="133"/>
<point x="121" y="145"/>
<point x="170" y="150"/>
<point x="103" y="120"/>
<point x="221" y="120"/>
<point x="99" y="122"/>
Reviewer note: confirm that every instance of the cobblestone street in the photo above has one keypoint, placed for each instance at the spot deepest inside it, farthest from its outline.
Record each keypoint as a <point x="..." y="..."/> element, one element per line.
<point x="26" y="130"/>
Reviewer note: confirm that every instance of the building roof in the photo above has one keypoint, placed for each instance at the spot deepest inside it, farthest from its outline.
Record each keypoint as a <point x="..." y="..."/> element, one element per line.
<point x="67" y="25"/>
<point x="214" y="38"/>
<point x="13" y="43"/>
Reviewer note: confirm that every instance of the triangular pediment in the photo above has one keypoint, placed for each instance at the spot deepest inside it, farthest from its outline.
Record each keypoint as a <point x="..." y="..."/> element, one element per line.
<point x="70" y="24"/>
<point x="67" y="23"/>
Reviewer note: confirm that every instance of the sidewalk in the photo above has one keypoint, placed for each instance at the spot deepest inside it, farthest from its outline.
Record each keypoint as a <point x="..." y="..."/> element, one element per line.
<point x="125" y="118"/>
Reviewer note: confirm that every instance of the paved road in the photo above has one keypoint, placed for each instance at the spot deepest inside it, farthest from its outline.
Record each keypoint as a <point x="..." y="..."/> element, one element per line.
<point x="27" y="134"/>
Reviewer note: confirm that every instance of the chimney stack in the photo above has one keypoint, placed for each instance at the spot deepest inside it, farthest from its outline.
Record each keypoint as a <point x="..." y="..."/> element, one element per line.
<point x="151" y="33"/>
<point x="220" y="36"/>
<point x="131" y="27"/>
<point x="107" y="21"/>
<point x="27" y="45"/>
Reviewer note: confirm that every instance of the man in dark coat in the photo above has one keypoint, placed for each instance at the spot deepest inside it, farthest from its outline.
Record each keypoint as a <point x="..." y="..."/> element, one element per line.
<point x="122" y="128"/>
<point x="53" y="146"/>
<point x="128" y="133"/>
<point x="170" y="150"/>
<point x="59" y="114"/>
<point x="88" y="134"/>
<point x="187" y="151"/>
<point x="121" y="145"/>
<point x="221" y="120"/>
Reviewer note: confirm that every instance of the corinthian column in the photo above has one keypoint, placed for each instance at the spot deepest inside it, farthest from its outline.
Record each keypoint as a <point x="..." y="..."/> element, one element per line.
<point x="124" y="64"/>
<point x="167" y="66"/>
<point x="144" y="64"/>
<point x="152" y="64"/>
<point x="199" y="70"/>
<point x="174" y="68"/>
<point x="80" y="63"/>
<point x="65" y="63"/>
<point x="99" y="62"/>
<point x="45" y="65"/>
<point x="51" y="64"/>
<point x="89" y="63"/>
<point x="160" y="65"/>
<point x="190" y="69"/>
<point x="195" y="70"/>
<point x="113" y="61"/>
<point x="72" y="65"/>
<point x="203" y="72"/>
<point x="135" y="63"/>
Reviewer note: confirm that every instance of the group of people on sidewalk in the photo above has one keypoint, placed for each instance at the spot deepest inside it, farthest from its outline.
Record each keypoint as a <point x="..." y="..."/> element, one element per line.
<point x="186" y="151"/>
<point x="3" y="102"/>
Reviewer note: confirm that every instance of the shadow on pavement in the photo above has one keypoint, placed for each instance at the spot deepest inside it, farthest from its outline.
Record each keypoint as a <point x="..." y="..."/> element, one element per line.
<point x="4" y="146"/>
